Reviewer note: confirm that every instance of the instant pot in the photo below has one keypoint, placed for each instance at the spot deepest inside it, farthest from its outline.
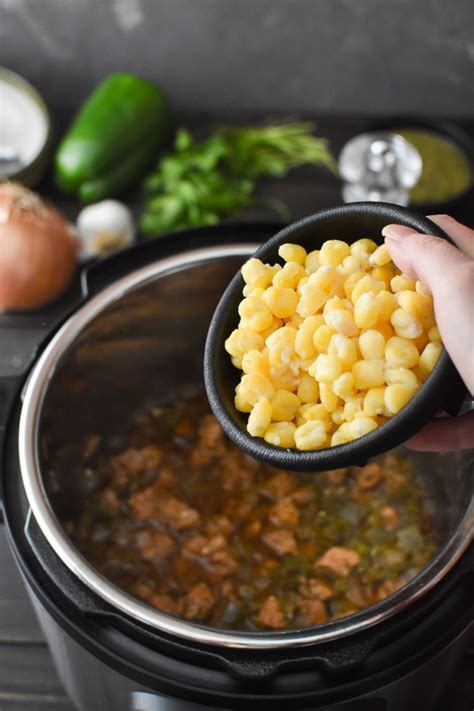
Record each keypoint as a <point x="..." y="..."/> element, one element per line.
<point x="136" y="330"/>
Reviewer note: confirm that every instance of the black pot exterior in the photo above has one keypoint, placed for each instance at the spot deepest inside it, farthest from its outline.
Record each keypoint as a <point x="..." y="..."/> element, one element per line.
<point x="443" y="389"/>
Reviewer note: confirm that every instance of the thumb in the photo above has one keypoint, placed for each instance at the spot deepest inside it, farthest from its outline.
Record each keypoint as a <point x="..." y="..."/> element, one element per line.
<point x="430" y="259"/>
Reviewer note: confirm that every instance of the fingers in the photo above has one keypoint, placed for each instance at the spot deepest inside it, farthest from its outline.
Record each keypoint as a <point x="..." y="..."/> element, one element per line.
<point x="445" y="434"/>
<point x="462" y="235"/>
<point x="430" y="259"/>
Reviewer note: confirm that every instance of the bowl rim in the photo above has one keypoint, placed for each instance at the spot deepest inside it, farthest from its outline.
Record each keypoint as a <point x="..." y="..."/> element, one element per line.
<point x="393" y="432"/>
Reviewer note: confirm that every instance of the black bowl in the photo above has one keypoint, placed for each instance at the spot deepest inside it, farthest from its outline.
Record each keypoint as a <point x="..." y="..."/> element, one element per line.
<point x="443" y="389"/>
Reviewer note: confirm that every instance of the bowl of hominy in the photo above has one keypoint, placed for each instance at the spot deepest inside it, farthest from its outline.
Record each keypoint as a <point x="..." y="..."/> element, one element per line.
<point x="320" y="353"/>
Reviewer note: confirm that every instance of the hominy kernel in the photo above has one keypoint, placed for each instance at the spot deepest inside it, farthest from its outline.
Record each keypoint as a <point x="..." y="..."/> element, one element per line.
<point x="318" y="412"/>
<point x="292" y="253"/>
<point x="343" y="386"/>
<point x="374" y="401"/>
<point x="429" y="357"/>
<point x="326" y="368"/>
<point x="352" y="406"/>
<point x="308" y="389"/>
<point x="243" y="340"/>
<point x="328" y="397"/>
<point x="387" y="305"/>
<point x="324" y="277"/>
<point x="321" y="338"/>
<point x="312" y="435"/>
<point x="281" y="301"/>
<point x="382" y="274"/>
<point x="259" y="418"/>
<point x="256" y="361"/>
<point x="280" y="434"/>
<point x="312" y="298"/>
<point x="372" y="344"/>
<point x="344" y="348"/>
<point x="257" y="274"/>
<point x="366" y="285"/>
<point x="350" y="283"/>
<point x="397" y="396"/>
<point x="434" y="334"/>
<point x="338" y="416"/>
<point x="289" y="276"/>
<point x="366" y="310"/>
<point x="281" y="344"/>
<point x="274" y="326"/>
<point x="400" y="282"/>
<point x="361" y="426"/>
<point x="256" y="387"/>
<point x="284" y="406"/>
<point x="333" y="252"/>
<point x="304" y="345"/>
<point x="312" y="262"/>
<point x="256" y="314"/>
<point x="380" y="256"/>
<point x="401" y="353"/>
<point x="402" y="376"/>
<point x="368" y="374"/>
<point x="284" y="377"/>
<point x="338" y="438"/>
<point x="405" y="324"/>
<point x="422" y="289"/>
<point x="351" y="264"/>
<point x="342" y="321"/>
<point x="363" y="247"/>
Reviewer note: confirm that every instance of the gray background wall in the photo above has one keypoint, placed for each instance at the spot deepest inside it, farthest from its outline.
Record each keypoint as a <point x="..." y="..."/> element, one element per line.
<point x="376" y="56"/>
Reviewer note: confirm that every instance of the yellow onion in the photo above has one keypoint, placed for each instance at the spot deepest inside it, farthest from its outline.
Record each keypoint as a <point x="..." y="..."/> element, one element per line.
<point x="38" y="249"/>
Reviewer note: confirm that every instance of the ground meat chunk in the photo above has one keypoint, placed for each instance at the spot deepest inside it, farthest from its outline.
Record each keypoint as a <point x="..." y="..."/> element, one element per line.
<point x="219" y="525"/>
<point x="198" y="602"/>
<point x="315" y="588"/>
<point x="165" y="603"/>
<point x="281" y="484"/>
<point x="218" y="559"/>
<point x="110" y="499"/>
<point x="280" y="542"/>
<point x="134" y="461"/>
<point x="390" y="517"/>
<point x="284" y="513"/>
<point x="144" y="504"/>
<point x="387" y="588"/>
<point x="270" y="614"/>
<point x="210" y="434"/>
<point x="154" y="545"/>
<point x="337" y="561"/>
<point x="369" y="476"/>
<point x="176" y="514"/>
<point x="311" y="612"/>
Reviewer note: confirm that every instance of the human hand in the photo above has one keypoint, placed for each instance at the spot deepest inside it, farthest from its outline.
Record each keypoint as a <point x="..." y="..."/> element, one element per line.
<point x="448" y="272"/>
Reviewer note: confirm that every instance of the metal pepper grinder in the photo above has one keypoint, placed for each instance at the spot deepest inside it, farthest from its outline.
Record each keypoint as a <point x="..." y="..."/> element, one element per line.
<point x="379" y="167"/>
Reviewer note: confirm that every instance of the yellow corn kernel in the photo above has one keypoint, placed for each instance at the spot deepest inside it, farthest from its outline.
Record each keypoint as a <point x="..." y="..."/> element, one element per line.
<point x="351" y="281"/>
<point x="418" y="305"/>
<point x="429" y="357"/>
<point x="422" y="289"/>
<point x="400" y="282"/>
<point x="280" y="434"/>
<point x="284" y="406"/>
<point x="281" y="344"/>
<point x="281" y="301"/>
<point x="243" y="340"/>
<point x="387" y="304"/>
<point x="338" y="416"/>
<point x="289" y="276"/>
<point x="311" y="300"/>
<point x="237" y="362"/>
<point x="326" y="368"/>
<point x="304" y="346"/>
<point x="339" y="437"/>
<point x="368" y="374"/>
<point x="342" y="321"/>
<point x="311" y="323"/>
<point x="380" y="257"/>
<point x="255" y="313"/>
<point x="256" y="274"/>
<point x="321" y="338"/>
<point x="343" y="386"/>
<point x="397" y="396"/>
<point x="328" y="397"/>
<point x="352" y="406"/>
<point x="311" y="435"/>
<point x="366" y="310"/>
<point x="284" y="376"/>
<point x="405" y="324"/>
<point x="333" y="252"/>
<point x="241" y="402"/>
<point x="255" y="387"/>
<point x="401" y="376"/>
<point x="361" y="426"/>
<point x="344" y="348"/>
<point x="325" y="277"/>
<point x="434" y="334"/>
<point x="401" y="353"/>
<point x="372" y="344"/>
<point x="274" y="326"/>
<point x="363" y="248"/>
<point x="318" y="412"/>
<point x="366" y="285"/>
<point x="308" y="389"/>
<point x="312" y="262"/>
<point x="256" y="361"/>
<point x="259" y="418"/>
<point x="374" y="402"/>
<point x="292" y="253"/>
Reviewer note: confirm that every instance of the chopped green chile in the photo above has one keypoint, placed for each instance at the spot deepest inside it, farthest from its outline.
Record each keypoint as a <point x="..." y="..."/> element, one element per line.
<point x="188" y="523"/>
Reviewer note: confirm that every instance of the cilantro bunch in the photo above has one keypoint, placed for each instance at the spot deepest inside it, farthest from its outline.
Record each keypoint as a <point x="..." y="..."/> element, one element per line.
<point x="203" y="182"/>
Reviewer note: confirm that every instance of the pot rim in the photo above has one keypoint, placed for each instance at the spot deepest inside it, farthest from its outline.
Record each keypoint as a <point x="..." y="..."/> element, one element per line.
<point x="33" y="397"/>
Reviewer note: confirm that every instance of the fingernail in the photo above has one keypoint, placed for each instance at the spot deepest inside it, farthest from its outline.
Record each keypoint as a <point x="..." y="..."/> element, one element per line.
<point x="396" y="232"/>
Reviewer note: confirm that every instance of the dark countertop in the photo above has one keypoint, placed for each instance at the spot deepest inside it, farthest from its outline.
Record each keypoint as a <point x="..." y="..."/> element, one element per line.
<point x="28" y="680"/>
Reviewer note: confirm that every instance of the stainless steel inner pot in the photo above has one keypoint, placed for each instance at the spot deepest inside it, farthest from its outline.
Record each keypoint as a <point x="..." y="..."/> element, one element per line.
<point x="140" y="340"/>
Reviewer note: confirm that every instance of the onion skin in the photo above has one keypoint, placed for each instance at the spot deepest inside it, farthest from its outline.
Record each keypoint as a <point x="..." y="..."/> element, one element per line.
<point x="38" y="250"/>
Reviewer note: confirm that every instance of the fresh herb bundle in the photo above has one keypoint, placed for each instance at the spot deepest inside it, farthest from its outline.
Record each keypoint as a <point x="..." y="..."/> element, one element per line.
<point x="202" y="182"/>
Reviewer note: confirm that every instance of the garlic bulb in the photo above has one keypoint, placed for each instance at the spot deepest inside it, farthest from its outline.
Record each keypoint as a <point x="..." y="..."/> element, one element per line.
<point x="104" y="227"/>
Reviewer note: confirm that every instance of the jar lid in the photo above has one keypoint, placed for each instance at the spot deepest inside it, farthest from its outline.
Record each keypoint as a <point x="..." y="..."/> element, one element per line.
<point x="25" y="130"/>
